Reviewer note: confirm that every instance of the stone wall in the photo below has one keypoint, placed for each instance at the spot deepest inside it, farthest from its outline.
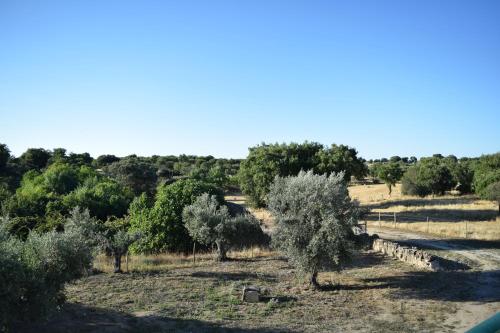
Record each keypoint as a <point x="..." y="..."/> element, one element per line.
<point x="411" y="255"/>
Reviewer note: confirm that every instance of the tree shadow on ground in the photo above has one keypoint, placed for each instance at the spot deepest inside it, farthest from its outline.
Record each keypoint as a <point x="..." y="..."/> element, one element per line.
<point x="234" y="276"/>
<point x="77" y="318"/>
<point x="456" y="286"/>
<point x="365" y="259"/>
<point x="421" y="202"/>
<point x="455" y="243"/>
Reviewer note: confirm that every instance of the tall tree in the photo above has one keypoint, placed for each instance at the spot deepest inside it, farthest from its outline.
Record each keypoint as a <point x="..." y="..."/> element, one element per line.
<point x="390" y="174"/>
<point x="314" y="219"/>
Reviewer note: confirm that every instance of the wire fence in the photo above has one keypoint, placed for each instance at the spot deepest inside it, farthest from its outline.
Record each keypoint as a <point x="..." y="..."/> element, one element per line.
<point x="400" y="220"/>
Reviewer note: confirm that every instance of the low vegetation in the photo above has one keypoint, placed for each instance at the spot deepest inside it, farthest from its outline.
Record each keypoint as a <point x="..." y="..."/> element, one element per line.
<point x="33" y="272"/>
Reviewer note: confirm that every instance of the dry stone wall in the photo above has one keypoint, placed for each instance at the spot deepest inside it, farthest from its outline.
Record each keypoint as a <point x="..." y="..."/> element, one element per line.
<point x="411" y="255"/>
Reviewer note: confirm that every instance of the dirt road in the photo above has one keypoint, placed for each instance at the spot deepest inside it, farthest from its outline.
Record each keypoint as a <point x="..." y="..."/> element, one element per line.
<point x="486" y="264"/>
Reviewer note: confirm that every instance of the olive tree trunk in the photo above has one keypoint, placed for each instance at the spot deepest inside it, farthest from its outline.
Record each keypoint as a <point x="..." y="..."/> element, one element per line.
<point x="118" y="263"/>
<point x="221" y="251"/>
<point x="314" y="280"/>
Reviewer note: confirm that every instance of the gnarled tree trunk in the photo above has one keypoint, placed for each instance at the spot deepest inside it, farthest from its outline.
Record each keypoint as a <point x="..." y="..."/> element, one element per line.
<point x="118" y="263"/>
<point x="314" y="281"/>
<point x="221" y="251"/>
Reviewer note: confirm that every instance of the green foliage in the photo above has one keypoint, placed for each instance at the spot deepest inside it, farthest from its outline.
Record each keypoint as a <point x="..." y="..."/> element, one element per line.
<point x="4" y="155"/>
<point x="60" y="178"/>
<point x="314" y="218"/>
<point x="429" y="176"/>
<point x="205" y="221"/>
<point x="463" y="176"/>
<point x="339" y="158"/>
<point x="486" y="172"/>
<point x="103" y="197"/>
<point x="492" y="192"/>
<point x="105" y="160"/>
<point x="161" y="226"/>
<point x="33" y="272"/>
<point x="210" y="223"/>
<point x="138" y="175"/>
<point x="390" y="173"/>
<point x="35" y="158"/>
<point x="264" y="162"/>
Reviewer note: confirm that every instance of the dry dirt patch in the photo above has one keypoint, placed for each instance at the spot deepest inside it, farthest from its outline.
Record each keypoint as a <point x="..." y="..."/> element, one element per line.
<point x="373" y="294"/>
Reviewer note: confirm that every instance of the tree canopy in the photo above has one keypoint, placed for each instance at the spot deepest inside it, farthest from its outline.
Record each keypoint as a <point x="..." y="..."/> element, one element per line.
<point x="314" y="218"/>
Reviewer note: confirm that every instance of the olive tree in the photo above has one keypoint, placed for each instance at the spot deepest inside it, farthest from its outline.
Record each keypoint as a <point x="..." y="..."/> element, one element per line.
<point x="209" y="223"/>
<point x="314" y="218"/>
<point x="390" y="174"/>
<point x="116" y="240"/>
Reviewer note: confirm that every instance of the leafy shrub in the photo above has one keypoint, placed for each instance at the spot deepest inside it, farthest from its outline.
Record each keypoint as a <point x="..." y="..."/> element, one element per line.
<point x="487" y="172"/>
<point x="492" y="192"/>
<point x="429" y="176"/>
<point x="103" y="197"/>
<point x="138" y="175"/>
<point x="210" y="223"/>
<point x="411" y="184"/>
<point x="314" y="219"/>
<point x="33" y="272"/>
<point x="161" y="226"/>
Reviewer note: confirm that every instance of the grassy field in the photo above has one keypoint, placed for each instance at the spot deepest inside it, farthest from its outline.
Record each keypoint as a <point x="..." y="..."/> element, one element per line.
<point x="449" y="215"/>
<point x="167" y="294"/>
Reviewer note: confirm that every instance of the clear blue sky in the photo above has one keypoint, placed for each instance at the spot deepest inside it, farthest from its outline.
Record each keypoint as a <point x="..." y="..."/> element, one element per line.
<point x="215" y="77"/>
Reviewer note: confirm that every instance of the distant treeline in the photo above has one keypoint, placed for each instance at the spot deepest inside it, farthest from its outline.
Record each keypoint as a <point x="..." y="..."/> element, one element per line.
<point x="39" y="188"/>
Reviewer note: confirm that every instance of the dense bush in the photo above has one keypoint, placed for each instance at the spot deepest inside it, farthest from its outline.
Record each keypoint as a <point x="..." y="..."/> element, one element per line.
<point x="264" y="162"/>
<point x="103" y="197"/>
<point x="486" y="172"/>
<point x="210" y="223"/>
<point x="429" y="176"/>
<point x="161" y="225"/>
<point x="33" y="272"/>
<point x="138" y="175"/>
<point x="314" y="219"/>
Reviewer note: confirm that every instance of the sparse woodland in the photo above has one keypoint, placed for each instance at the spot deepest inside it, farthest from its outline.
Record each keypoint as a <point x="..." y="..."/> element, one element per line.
<point x="61" y="212"/>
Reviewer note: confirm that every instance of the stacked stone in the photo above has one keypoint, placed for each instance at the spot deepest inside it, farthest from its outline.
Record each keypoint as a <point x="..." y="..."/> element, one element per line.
<point x="411" y="255"/>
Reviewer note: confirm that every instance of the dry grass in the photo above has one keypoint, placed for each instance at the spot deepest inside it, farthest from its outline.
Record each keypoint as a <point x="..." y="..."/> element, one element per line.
<point x="449" y="216"/>
<point x="168" y="261"/>
<point x="373" y="294"/>
<point x="260" y="213"/>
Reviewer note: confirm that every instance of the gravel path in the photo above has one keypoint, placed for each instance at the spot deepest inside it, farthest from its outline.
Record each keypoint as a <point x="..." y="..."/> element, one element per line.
<point x="486" y="287"/>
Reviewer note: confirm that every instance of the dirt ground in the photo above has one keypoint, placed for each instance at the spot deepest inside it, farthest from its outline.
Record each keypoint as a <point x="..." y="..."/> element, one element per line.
<point x="373" y="294"/>
<point x="482" y="256"/>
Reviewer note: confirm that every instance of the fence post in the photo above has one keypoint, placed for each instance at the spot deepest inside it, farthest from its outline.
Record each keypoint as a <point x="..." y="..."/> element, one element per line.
<point x="466" y="229"/>
<point x="379" y="223"/>
<point x="394" y="219"/>
<point x="194" y="253"/>
<point x="427" y="224"/>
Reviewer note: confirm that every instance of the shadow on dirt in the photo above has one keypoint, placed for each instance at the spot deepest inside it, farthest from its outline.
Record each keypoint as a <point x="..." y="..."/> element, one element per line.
<point x="457" y="244"/>
<point x="234" y="276"/>
<point x="459" y="286"/>
<point x="76" y="318"/>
